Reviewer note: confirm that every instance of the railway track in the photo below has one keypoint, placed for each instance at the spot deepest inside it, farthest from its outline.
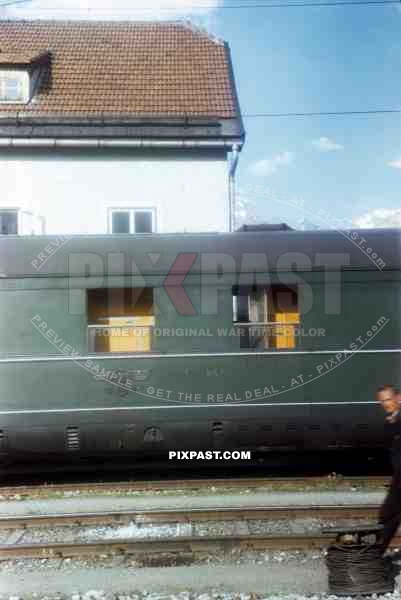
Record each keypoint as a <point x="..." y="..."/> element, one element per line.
<point x="191" y="484"/>
<point x="193" y="515"/>
<point x="178" y="545"/>
<point x="182" y="545"/>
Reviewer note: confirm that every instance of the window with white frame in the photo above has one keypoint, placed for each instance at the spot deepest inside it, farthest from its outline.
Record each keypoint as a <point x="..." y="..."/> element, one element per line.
<point x="14" y="86"/>
<point x="8" y="222"/>
<point x="132" y="220"/>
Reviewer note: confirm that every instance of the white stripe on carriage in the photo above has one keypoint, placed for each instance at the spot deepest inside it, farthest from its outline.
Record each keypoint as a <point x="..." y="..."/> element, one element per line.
<point x="158" y="407"/>
<point x="81" y="357"/>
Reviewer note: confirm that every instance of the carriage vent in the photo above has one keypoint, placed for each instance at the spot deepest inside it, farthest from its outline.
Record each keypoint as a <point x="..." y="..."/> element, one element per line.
<point x="265" y="227"/>
<point x="72" y="439"/>
<point x="362" y="427"/>
<point x="2" y="439"/>
<point x="218" y="427"/>
<point x="153" y="435"/>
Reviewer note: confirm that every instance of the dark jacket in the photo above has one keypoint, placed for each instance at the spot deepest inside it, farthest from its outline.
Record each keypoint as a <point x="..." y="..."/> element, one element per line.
<point x="393" y="427"/>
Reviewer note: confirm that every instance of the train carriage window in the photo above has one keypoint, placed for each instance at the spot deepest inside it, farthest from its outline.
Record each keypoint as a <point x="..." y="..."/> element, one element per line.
<point x="120" y="319"/>
<point x="267" y="317"/>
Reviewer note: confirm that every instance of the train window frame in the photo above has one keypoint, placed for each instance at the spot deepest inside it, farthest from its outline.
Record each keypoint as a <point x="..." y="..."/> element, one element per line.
<point x="117" y="319"/>
<point x="250" y="338"/>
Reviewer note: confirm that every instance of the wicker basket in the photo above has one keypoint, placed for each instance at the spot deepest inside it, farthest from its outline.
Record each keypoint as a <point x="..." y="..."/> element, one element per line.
<point x="356" y="569"/>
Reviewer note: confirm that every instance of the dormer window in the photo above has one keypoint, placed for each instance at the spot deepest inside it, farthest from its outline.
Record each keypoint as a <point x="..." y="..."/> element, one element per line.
<point x="21" y="75"/>
<point x="14" y="86"/>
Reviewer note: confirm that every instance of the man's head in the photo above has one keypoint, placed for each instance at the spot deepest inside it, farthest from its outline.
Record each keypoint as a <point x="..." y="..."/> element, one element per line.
<point x="389" y="397"/>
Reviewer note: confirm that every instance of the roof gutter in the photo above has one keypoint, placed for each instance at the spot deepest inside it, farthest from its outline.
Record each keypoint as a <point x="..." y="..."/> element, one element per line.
<point x="115" y="143"/>
<point x="231" y="185"/>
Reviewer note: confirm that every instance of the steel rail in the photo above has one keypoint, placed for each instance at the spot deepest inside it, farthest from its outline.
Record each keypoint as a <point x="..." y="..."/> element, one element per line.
<point x="178" y="545"/>
<point x="190" y="484"/>
<point x="192" y="515"/>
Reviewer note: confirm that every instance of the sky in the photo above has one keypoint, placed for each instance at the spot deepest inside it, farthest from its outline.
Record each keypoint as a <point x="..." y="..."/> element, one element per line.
<point x="298" y="59"/>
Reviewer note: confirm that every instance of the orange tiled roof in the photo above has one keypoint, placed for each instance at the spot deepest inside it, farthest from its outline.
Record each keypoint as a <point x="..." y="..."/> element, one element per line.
<point x="124" y="68"/>
<point x="20" y="58"/>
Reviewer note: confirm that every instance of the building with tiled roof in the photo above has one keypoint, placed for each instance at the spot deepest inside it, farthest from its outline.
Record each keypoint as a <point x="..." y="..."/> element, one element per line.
<point x="105" y="125"/>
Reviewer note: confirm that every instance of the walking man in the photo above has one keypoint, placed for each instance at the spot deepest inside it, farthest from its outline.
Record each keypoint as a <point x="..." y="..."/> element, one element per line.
<point x="390" y="511"/>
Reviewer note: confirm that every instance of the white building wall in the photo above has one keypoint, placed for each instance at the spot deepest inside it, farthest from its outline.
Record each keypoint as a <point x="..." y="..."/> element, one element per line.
<point x="74" y="190"/>
<point x="30" y="222"/>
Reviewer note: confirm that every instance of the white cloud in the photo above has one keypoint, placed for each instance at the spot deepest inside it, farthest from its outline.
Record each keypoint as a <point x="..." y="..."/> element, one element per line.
<point x="245" y="210"/>
<point x="379" y="217"/>
<point x="325" y="144"/>
<point x="268" y="166"/>
<point x="396" y="164"/>
<point x="110" y="9"/>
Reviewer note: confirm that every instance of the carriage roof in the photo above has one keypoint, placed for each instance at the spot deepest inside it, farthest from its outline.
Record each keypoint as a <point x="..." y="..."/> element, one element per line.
<point x="47" y="256"/>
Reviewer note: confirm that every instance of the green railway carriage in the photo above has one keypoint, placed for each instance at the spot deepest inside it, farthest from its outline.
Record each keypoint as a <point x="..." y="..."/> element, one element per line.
<point x="136" y="345"/>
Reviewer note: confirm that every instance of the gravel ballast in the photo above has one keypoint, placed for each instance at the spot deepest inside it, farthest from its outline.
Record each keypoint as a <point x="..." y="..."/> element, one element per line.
<point x="237" y="575"/>
<point x="289" y="581"/>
